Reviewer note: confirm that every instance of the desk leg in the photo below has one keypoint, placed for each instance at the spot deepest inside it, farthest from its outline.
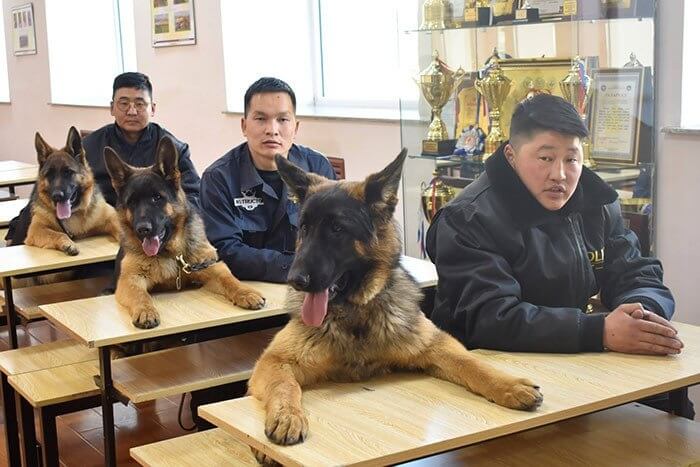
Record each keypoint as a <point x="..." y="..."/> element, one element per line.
<point x="107" y="407"/>
<point x="30" y="447"/>
<point x="676" y="401"/>
<point x="10" y="311"/>
<point x="11" y="190"/>
<point x="11" y="430"/>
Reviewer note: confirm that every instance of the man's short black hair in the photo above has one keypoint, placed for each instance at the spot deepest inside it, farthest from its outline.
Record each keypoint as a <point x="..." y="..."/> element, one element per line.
<point x="267" y="84"/>
<point x="545" y="112"/>
<point x="134" y="80"/>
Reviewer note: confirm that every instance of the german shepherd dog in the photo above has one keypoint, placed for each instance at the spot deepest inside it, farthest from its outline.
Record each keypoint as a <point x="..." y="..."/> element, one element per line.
<point x="355" y="310"/>
<point x="66" y="202"/>
<point x="163" y="237"/>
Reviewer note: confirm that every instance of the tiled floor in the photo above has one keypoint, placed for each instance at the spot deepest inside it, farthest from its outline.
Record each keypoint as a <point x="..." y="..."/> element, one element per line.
<point x="80" y="434"/>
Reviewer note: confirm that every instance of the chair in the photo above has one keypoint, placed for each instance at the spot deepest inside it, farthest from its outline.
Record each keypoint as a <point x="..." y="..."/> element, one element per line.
<point x="338" y="164"/>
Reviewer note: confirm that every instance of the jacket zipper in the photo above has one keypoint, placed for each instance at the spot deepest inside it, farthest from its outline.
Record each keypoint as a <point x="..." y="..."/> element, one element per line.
<point x="582" y="258"/>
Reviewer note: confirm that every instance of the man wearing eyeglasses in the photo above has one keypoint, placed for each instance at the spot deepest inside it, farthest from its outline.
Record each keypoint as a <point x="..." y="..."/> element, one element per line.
<point x="134" y="136"/>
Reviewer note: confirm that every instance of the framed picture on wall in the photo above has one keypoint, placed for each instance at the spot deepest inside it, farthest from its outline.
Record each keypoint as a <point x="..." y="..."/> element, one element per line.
<point x="172" y="22"/>
<point x="23" y="36"/>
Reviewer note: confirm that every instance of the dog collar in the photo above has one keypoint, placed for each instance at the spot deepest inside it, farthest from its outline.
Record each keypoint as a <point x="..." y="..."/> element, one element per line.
<point x="187" y="268"/>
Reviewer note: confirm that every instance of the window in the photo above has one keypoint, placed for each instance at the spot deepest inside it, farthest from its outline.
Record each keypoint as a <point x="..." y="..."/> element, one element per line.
<point x="341" y="58"/>
<point x="690" y="111"/>
<point x="85" y="56"/>
<point x="4" y="83"/>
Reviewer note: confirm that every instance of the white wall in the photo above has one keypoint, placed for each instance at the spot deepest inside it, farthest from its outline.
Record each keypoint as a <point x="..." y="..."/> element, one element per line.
<point x="189" y="91"/>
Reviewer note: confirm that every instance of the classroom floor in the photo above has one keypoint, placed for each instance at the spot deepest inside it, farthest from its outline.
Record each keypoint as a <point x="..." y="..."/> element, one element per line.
<point x="80" y="437"/>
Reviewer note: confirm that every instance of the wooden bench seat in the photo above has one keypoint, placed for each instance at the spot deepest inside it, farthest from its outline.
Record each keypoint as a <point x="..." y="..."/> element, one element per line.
<point x="28" y="299"/>
<point x="57" y="385"/>
<point x="43" y="356"/>
<point x="631" y="434"/>
<point x="205" y="448"/>
<point x="188" y="368"/>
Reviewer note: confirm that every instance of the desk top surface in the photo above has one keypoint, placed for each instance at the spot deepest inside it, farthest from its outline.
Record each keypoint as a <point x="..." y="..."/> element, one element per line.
<point x="14" y="165"/>
<point x="99" y="321"/>
<point x="23" y="259"/>
<point x="406" y="416"/>
<point x="18" y="176"/>
<point x="10" y="209"/>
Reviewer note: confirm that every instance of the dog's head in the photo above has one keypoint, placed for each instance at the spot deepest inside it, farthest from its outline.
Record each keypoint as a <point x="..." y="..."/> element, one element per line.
<point x="348" y="242"/>
<point x="150" y="200"/>
<point x="65" y="179"/>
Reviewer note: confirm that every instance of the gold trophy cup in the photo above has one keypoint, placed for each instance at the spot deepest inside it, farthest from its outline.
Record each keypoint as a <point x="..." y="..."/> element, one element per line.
<point x="437" y="14"/>
<point x="437" y="83"/>
<point x="495" y="88"/>
<point x="576" y="88"/>
<point x="434" y="196"/>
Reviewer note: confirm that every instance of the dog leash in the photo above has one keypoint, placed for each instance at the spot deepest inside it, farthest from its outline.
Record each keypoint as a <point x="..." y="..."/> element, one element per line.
<point x="187" y="268"/>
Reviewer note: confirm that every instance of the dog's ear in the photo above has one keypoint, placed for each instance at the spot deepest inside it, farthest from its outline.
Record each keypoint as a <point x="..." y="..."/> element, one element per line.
<point x="118" y="171"/>
<point x="298" y="182"/>
<point x="43" y="150"/>
<point x="167" y="161"/>
<point x="381" y="188"/>
<point x="74" y="145"/>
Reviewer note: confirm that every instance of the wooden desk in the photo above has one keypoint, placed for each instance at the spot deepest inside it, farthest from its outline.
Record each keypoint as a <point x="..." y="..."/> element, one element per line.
<point x="406" y="416"/>
<point x="423" y="271"/>
<point x="10" y="209"/>
<point x="19" y="176"/>
<point x="14" y="165"/>
<point x="22" y="260"/>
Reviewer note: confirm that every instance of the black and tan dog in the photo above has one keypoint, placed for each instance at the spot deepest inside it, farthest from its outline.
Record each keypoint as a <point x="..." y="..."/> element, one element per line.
<point x="163" y="238"/>
<point x="66" y="203"/>
<point x="355" y="310"/>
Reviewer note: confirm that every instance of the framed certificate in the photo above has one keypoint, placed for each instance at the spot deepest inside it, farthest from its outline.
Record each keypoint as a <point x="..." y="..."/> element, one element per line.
<point x="616" y="115"/>
<point x="23" y="36"/>
<point x="549" y="9"/>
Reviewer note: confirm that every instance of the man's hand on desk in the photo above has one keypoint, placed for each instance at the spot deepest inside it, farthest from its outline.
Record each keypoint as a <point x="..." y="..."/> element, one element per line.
<point x="630" y="328"/>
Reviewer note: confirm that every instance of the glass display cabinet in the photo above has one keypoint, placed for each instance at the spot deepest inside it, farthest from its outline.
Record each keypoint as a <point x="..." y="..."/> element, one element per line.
<point x="467" y="64"/>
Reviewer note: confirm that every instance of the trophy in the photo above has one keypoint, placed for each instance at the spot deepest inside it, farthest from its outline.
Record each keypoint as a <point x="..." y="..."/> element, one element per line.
<point x="495" y="87"/>
<point x="576" y="88"/>
<point x="437" y="14"/>
<point x="526" y="13"/>
<point x="477" y="12"/>
<point x="435" y="195"/>
<point x="437" y="83"/>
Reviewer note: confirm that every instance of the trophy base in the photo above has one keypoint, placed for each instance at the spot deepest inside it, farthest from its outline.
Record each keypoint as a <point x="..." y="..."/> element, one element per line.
<point x="438" y="148"/>
<point x="526" y="15"/>
<point x="479" y="16"/>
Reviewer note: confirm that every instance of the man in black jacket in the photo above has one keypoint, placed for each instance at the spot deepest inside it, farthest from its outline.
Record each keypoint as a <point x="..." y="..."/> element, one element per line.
<point x="522" y="249"/>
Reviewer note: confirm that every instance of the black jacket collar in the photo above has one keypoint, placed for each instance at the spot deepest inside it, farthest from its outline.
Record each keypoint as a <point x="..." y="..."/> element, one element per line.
<point x="591" y="193"/>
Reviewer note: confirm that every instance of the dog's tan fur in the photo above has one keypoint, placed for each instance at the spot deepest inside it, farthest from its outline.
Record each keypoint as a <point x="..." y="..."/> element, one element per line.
<point x="92" y="216"/>
<point x="378" y="329"/>
<point x="141" y="274"/>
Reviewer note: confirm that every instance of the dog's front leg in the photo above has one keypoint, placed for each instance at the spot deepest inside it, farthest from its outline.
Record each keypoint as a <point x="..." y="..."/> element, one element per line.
<point x="132" y="294"/>
<point x="274" y="383"/>
<point x="217" y="278"/>
<point x="446" y="358"/>
<point x="44" y="236"/>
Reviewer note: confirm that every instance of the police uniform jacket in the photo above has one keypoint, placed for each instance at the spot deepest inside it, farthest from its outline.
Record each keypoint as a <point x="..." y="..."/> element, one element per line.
<point x="515" y="276"/>
<point x="254" y="230"/>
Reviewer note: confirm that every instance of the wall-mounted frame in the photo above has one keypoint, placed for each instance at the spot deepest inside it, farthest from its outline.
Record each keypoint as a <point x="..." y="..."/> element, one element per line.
<point x="23" y="34"/>
<point x="548" y="9"/>
<point x="616" y="115"/>
<point x="172" y="22"/>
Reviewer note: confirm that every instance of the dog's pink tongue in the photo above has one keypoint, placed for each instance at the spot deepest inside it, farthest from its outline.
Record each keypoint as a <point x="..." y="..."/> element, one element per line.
<point x="151" y="245"/>
<point x="314" y="308"/>
<point x="63" y="210"/>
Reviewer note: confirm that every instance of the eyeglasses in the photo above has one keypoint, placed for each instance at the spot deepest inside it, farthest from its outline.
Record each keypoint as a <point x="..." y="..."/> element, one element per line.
<point x="139" y="105"/>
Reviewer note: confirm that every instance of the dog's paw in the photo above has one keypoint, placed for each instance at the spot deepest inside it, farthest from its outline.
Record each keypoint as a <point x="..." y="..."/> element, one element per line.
<point x="248" y="298"/>
<point x="287" y="426"/>
<point x="145" y="318"/>
<point x="263" y="459"/>
<point x="521" y="394"/>
<point x="71" y="249"/>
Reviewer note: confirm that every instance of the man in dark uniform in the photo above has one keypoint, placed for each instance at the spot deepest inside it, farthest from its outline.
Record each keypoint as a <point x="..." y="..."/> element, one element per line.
<point x="522" y="249"/>
<point x="247" y="213"/>
<point x="133" y="136"/>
